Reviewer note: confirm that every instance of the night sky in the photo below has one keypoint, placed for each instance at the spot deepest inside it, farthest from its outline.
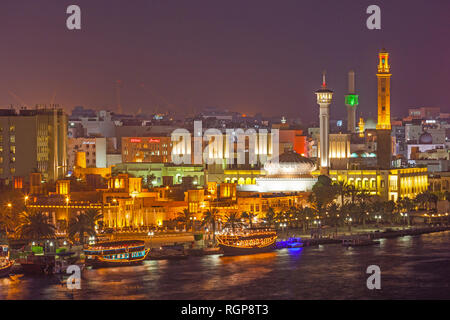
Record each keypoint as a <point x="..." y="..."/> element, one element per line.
<point x="242" y="55"/>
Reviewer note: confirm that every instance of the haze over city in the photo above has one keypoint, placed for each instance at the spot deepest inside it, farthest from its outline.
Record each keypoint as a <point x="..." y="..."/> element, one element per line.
<point x="251" y="56"/>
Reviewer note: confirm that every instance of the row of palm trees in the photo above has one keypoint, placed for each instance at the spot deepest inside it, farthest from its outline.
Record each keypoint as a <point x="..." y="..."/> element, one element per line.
<point x="354" y="207"/>
<point x="36" y="226"/>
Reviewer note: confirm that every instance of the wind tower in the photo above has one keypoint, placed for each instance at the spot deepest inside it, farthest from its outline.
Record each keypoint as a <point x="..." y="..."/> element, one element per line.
<point x="384" y="111"/>
<point x="324" y="98"/>
<point x="351" y="101"/>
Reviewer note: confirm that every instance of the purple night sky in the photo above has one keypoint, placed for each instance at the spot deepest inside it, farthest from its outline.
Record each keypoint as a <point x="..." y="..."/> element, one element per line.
<point x="243" y="55"/>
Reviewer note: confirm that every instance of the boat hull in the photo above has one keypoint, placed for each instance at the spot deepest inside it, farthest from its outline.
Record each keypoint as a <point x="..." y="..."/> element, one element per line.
<point x="101" y="262"/>
<point x="6" y="270"/>
<point x="235" y="251"/>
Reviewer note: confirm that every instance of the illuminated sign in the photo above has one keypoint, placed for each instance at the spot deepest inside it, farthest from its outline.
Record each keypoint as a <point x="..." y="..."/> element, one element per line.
<point x="351" y="100"/>
<point x="150" y="140"/>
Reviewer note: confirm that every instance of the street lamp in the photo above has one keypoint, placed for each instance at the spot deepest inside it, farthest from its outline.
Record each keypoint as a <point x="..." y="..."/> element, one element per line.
<point x="151" y="234"/>
<point x="133" y="195"/>
<point x="67" y="208"/>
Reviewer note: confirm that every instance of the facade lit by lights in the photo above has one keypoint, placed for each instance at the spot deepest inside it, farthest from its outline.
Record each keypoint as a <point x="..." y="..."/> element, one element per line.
<point x="324" y="98"/>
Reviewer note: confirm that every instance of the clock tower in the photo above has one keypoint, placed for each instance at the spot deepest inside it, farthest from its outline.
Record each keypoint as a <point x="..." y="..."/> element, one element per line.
<point x="384" y="141"/>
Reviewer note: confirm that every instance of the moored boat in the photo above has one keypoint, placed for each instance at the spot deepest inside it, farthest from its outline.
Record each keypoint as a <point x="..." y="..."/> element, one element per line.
<point x="6" y="263"/>
<point x="116" y="253"/>
<point x="249" y="241"/>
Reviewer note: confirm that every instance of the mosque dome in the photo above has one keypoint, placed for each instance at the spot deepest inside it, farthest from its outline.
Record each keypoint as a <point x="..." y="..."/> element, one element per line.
<point x="290" y="164"/>
<point x="425" y="138"/>
<point x="370" y="124"/>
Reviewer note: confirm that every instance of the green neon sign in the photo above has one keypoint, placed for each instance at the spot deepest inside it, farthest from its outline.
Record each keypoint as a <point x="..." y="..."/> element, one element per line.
<point x="351" y="100"/>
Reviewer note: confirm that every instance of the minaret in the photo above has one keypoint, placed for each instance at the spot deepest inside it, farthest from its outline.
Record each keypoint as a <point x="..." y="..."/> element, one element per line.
<point x="324" y="97"/>
<point x="384" y="111"/>
<point x="361" y="127"/>
<point x="351" y="101"/>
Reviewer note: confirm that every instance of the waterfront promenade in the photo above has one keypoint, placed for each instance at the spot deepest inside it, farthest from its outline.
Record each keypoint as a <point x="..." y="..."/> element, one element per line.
<point x="187" y="238"/>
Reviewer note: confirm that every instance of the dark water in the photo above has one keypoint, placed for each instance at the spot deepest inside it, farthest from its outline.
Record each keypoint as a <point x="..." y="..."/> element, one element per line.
<point x="411" y="268"/>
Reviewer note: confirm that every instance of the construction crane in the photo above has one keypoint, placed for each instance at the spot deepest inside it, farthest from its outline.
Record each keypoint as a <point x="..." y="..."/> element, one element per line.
<point x="15" y="96"/>
<point x="157" y="97"/>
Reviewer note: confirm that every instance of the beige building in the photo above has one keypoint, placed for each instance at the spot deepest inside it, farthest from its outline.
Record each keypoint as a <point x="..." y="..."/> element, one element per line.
<point x="33" y="140"/>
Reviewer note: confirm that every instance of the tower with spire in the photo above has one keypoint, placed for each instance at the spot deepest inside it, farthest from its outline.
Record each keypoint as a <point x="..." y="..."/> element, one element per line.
<point x="324" y="98"/>
<point x="351" y="101"/>
<point x="384" y="141"/>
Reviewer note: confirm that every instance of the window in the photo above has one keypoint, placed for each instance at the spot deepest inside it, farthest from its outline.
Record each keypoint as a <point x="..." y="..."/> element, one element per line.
<point x="12" y="128"/>
<point x="12" y="139"/>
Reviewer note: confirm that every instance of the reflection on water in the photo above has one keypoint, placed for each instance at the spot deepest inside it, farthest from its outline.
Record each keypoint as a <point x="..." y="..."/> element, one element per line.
<point x="411" y="267"/>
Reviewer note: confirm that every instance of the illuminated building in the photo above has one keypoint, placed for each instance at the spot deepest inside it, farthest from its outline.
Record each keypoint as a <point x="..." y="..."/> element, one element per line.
<point x="361" y="127"/>
<point x="351" y="101"/>
<point x="166" y="174"/>
<point x="324" y="97"/>
<point x="147" y="149"/>
<point x="94" y="150"/>
<point x="388" y="184"/>
<point x="290" y="172"/>
<point x="291" y="138"/>
<point x="440" y="182"/>
<point x="384" y="111"/>
<point x="259" y="203"/>
<point x="339" y="150"/>
<point x="425" y="143"/>
<point x="92" y="123"/>
<point x="33" y="139"/>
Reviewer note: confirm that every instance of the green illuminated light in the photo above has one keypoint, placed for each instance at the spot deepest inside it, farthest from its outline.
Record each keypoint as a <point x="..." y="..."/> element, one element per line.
<point x="351" y="100"/>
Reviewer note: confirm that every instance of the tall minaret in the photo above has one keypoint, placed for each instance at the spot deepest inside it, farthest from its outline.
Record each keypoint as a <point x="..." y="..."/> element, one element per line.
<point x="384" y="91"/>
<point x="324" y="97"/>
<point x="351" y="101"/>
<point x="384" y="111"/>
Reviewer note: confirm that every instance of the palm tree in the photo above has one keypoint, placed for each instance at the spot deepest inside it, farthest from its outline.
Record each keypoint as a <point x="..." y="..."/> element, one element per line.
<point x="94" y="217"/>
<point x="233" y="220"/>
<point x="363" y="198"/>
<point x="352" y="191"/>
<point x="6" y="221"/>
<point x="185" y="217"/>
<point x="269" y="218"/>
<point x="389" y="208"/>
<point x="342" y="188"/>
<point x="333" y="215"/>
<point x="210" y="217"/>
<point x="35" y="226"/>
<point x="80" y="225"/>
<point x="250" y="216"/>
<point x="308" y="214"/>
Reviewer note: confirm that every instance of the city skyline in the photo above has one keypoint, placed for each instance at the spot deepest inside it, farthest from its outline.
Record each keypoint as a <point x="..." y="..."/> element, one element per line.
<point x="164" y="55"/>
